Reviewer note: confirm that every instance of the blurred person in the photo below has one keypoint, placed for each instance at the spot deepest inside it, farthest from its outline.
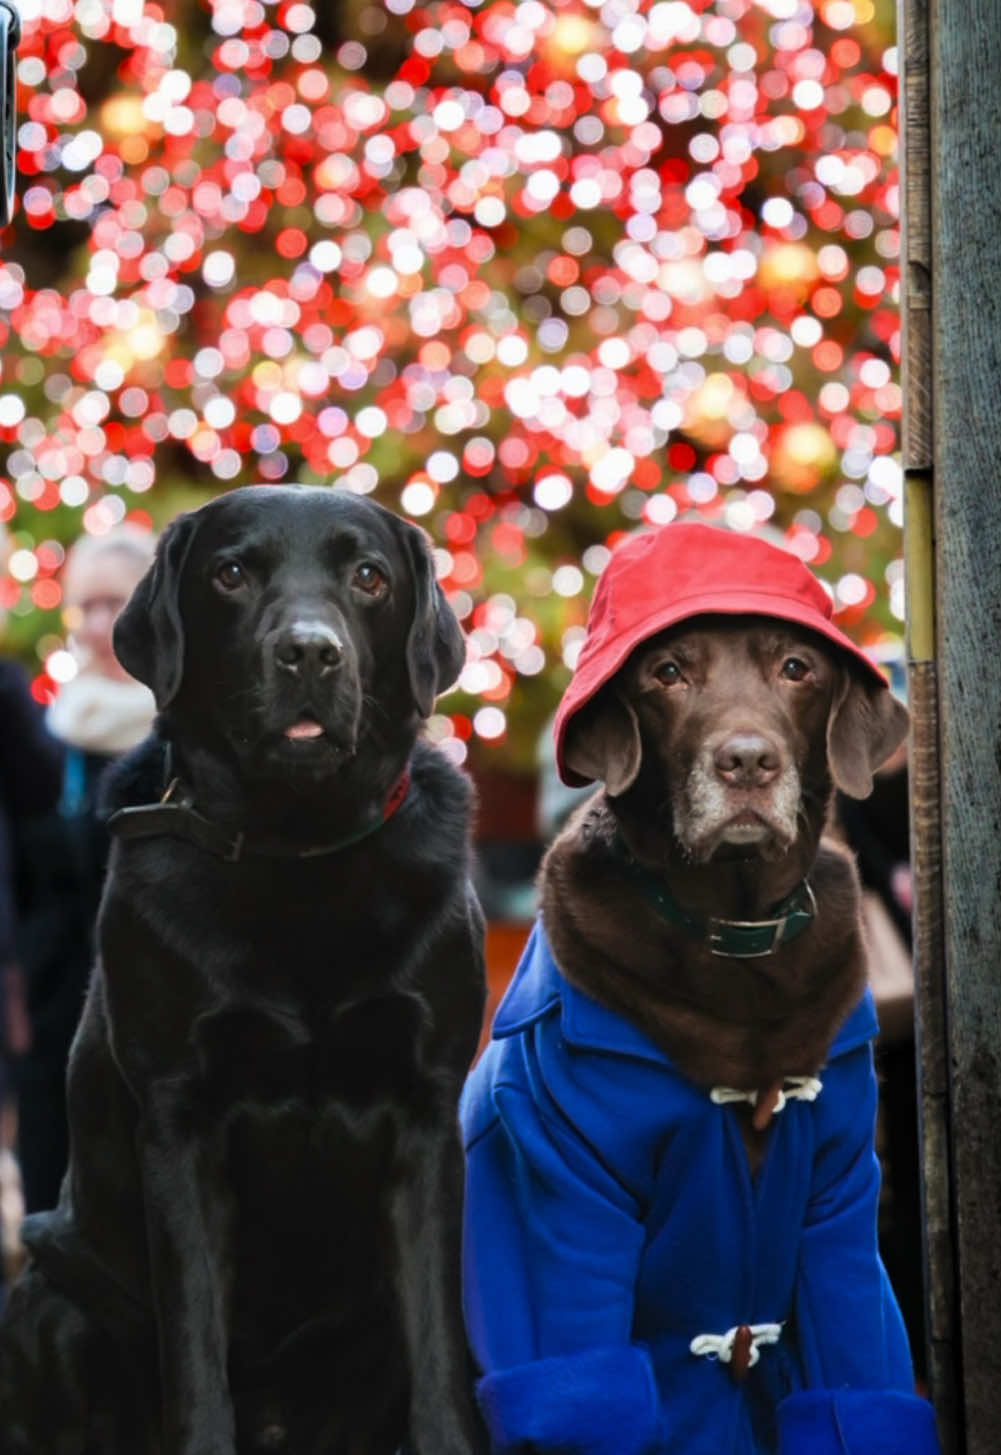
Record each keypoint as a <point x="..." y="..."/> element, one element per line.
<point x="97" y="715"/>
<point x="556" y="800"/>
<point x="30" y="778"/>
<point x="102" y="711"/>
<point x="877" y="831"/>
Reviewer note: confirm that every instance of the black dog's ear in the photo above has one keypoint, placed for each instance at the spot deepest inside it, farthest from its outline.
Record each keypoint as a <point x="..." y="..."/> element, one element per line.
<point x="603" y="742"/>
<point x="148" y="634"/>
<point x="436" y="648"/>
<point x="865" y="726"/>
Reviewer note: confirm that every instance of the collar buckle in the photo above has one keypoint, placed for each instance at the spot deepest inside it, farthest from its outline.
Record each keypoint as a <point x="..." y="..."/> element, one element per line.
<point x="722" y="933"/>
<point x="752" y="939"/>
<point x="171" y="791"/>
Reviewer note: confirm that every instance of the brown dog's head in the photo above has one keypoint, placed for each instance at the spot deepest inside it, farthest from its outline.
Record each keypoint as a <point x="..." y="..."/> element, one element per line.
<point x="728" y="732"/>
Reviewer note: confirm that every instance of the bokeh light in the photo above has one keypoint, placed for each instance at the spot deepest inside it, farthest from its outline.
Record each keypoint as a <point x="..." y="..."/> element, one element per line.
<point x="533" y="273"/>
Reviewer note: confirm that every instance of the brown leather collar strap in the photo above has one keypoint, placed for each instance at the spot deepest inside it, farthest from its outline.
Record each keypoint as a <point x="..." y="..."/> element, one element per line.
<point x="176" y="816"/>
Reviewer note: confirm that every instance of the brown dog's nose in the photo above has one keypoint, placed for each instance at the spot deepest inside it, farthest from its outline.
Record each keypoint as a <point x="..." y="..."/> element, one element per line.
<point x="308" y="648"/>
<point x="747" y="760"/>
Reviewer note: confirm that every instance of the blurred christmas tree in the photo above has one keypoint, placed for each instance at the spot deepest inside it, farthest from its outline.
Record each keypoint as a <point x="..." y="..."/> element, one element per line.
<point x="532" y="273"/>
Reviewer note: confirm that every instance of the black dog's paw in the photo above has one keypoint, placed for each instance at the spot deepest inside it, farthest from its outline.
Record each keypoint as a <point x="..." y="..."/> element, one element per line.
<point x="262" y="1425"/>
<point x="272" y="1436"/>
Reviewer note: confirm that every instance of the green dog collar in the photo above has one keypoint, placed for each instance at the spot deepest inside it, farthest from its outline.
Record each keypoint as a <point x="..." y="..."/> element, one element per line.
<point x="742" y="938"/>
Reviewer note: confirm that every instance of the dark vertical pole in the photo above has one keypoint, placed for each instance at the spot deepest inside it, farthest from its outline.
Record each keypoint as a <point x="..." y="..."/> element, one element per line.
<point x="923" y="686"/>
<point x="965" y="149"/>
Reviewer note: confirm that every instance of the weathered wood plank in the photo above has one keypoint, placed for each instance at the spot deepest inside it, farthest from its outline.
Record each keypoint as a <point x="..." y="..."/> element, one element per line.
<point x="933" y="1062"/>
<point x="966" y="338"/>
<point x="915" y="270"/>
<point x="941" y="1299"/>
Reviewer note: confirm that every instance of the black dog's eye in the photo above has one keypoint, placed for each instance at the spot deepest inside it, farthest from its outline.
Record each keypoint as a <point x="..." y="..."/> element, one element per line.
<point x="369" y="578"/>
<point x="230" y="575"/>
<point x="668" y="673"/>
<point x="794" y="669"/>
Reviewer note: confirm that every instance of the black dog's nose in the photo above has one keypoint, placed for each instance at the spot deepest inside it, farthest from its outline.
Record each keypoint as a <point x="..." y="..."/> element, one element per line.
<point x="308" y="648"/>
<point x="747" y="760"/>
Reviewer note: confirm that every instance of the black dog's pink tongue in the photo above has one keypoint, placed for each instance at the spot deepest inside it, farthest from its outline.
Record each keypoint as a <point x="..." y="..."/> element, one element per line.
<point x="305" y="728"/>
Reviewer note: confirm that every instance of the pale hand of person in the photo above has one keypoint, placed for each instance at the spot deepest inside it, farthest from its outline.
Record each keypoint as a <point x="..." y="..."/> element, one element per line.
<point x="903" y="889"/>
<point x="17" y="1023"/>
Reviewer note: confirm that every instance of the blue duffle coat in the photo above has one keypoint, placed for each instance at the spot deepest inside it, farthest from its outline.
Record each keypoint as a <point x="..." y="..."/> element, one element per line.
<point x="611" y="1219"/>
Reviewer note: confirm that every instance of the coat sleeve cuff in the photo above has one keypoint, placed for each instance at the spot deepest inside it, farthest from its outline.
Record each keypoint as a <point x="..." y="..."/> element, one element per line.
<point x="856" y="1422"/>
<point x="600" y="1402"/>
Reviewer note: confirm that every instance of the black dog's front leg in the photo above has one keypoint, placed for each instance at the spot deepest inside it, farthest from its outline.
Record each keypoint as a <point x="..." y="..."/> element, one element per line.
<point x="186" y="1271"/>
<point x="427" y="1217"/>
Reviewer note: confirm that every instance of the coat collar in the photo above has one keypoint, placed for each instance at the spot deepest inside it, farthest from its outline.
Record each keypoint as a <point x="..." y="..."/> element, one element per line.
<point x="539" y="987"/>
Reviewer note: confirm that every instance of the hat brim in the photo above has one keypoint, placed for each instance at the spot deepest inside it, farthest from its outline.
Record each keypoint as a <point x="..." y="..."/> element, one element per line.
<point x="588" y="681"/>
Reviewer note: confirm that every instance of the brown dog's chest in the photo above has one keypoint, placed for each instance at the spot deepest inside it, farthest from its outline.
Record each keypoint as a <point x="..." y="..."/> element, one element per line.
<point x="723" y="1021"/>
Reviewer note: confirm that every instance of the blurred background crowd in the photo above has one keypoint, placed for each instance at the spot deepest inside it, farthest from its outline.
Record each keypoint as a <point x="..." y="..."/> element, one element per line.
<point x="535" y="274"/>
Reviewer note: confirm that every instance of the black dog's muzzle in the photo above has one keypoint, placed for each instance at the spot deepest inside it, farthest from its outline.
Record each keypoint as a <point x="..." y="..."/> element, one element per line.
<point x="308" y="650"/>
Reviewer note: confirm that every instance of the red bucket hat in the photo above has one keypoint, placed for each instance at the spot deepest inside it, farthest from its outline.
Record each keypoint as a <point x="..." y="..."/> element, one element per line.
<point x="664" y="576"/>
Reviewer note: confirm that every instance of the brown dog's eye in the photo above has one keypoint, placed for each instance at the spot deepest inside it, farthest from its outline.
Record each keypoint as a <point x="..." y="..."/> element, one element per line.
<point x="794" y="669"/>
<point x="668" y="673"/>
<point x="230" y="575"/>
<point x="369" y="578"/>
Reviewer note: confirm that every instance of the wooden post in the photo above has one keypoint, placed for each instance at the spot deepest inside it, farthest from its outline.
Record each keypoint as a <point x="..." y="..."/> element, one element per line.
<point x="951" y="55"/>
<point x="941" y="1313"/>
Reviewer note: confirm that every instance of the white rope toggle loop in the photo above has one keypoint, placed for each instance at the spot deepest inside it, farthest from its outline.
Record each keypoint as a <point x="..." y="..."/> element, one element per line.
<point x="794" y="1088"/>
<point x="720" y="1346"/>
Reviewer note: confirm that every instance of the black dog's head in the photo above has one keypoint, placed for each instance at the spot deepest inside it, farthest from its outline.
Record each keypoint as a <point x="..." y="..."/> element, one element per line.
<point x="295" y="625"/>
<point x="728" y="731"/>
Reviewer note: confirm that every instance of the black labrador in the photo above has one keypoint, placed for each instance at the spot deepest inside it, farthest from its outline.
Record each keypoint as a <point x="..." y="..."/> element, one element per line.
<point x="257" y="1244"/>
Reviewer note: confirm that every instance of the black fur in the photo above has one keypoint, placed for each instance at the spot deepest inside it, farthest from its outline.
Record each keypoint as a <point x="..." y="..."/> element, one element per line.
<point x="257" y="1245"/>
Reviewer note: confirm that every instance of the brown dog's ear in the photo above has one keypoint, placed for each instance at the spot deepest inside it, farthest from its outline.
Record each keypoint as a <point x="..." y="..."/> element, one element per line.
<point x="865" y="726"/>
<point x="603" y="742"/>
<point x="436" y="648"/>
<point x="148" y="634"/>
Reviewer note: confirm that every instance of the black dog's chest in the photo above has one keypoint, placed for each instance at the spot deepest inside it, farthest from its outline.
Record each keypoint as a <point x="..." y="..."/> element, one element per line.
<point x="311" y="1117"/>
<point x="259" y="1059"/>
<point x="277" y="912"/>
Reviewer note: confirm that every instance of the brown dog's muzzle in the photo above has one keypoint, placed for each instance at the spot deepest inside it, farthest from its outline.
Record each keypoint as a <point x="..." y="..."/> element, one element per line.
<point x="747" y="760"/>
<point x="742" y="788"/>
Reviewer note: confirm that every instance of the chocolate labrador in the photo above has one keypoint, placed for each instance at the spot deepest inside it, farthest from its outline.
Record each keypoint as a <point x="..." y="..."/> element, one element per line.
<point x="671" y="1188"/>
<point x="717" y="743"/>
<point x="257" y="1244"/>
